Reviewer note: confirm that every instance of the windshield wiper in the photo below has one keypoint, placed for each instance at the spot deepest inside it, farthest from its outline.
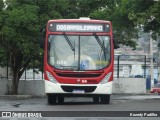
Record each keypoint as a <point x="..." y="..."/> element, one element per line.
<point x="101" y="44"/>
<point x="69" y="42"/>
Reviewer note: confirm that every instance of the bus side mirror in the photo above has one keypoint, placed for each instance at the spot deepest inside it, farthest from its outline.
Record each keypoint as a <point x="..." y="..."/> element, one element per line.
<point x="42" y="39"/>
<point x="159" y="45"/>
<point x="116" y="45"/>
<point x="42" y="43"/>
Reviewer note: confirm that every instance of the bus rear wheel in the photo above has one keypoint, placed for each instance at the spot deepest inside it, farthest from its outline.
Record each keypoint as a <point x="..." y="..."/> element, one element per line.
<point x="105" y="99"/>
<point x="52" y="99"/>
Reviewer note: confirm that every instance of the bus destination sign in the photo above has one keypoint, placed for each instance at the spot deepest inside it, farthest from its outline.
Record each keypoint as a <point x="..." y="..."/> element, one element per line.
<point x="78" y="27"/>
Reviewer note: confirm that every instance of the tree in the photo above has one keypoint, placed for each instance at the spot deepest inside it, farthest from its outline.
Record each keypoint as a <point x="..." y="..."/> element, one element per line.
<point x="19" y="37"/>
<point x="147" y="16"/>
<point x="3" y="53"/>
<point x="20" y="25"/>
<point x="123" y="28"/>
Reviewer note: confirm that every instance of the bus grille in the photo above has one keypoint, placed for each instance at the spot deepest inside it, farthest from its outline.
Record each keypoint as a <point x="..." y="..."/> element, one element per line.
<point x="87" y="89"/>
<point x="77" y="75"/>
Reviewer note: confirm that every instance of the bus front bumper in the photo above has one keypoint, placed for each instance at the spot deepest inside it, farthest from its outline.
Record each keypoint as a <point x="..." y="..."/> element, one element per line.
<point x="79" y="89"/>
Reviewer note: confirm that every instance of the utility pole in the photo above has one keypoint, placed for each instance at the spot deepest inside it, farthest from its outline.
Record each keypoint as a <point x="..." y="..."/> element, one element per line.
<point x="151" y="61"/>
<point x="158" y="61"/>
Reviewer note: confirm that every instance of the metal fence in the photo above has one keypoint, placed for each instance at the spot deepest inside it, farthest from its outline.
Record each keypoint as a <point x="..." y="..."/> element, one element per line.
<point x="125" y="66"/>
<point x="129" y="66"/>
<point x="34" y="71"/>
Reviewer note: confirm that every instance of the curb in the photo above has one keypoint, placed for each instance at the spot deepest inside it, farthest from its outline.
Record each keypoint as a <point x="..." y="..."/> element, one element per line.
<point x="20" y="96"/>
<point x="132" y="94"/>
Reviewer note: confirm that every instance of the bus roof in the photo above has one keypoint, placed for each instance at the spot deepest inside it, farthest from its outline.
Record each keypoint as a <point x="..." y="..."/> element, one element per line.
<point x="79" y="20"/>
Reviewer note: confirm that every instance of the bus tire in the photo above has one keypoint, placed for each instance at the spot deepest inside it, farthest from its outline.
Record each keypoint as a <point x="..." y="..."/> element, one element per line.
<point x="95" y="99"/>
<point x="105" y="99"/>
<point x="60" y="100"/>
<point x="52" y="99"/>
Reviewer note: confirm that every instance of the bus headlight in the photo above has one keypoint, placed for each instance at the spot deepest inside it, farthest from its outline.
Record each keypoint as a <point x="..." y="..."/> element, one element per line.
<point x="50" y="77"/>
<point x="106" y="78"/>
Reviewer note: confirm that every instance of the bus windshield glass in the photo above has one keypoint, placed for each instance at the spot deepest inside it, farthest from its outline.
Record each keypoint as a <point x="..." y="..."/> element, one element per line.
<point x="79" y="52"/>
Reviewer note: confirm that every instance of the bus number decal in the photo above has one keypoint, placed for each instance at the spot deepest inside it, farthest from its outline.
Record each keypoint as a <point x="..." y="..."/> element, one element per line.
<point x="84" y="81"/>
<point x="62" y="62"/>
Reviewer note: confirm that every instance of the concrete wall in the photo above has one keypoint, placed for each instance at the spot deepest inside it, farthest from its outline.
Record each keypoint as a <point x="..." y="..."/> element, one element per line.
<point x="129" y="85"/>
<point x="3" y="72"/>
<point x="31" y="87"/>
<point x="36" y="87"/>
<point x="3" y="86"/>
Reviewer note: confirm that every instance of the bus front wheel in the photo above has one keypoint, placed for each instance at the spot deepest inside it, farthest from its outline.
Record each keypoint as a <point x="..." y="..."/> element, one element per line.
<point x="52" y="99"/>
<point x="95" y="99"/>
<point x="105" y="99"/>
<point x="60" y="99"/>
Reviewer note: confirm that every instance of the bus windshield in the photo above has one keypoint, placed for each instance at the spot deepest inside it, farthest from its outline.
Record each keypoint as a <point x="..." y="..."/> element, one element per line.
<point x="79" y="52"/>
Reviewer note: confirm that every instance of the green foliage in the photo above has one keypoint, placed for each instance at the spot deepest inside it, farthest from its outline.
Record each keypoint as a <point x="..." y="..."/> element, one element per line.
<point x="20" y="29"/>
<point x="3" y="58"/>
<point x="19" y="37"/>
<point x="147" y="15"/>
<point x="1" y="5"/>
<point x="117" y="12"/>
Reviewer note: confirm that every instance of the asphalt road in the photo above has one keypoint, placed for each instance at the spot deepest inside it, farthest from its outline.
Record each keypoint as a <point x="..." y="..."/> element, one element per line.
<point x="81" y="107"/>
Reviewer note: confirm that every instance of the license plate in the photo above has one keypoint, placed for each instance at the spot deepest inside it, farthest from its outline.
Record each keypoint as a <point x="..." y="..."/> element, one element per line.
<point x="78" y="91"/>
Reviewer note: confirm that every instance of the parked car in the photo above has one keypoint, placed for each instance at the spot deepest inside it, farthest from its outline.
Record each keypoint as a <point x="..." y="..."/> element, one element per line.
<point x="156" y="88"/>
